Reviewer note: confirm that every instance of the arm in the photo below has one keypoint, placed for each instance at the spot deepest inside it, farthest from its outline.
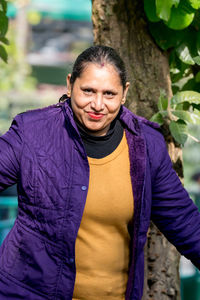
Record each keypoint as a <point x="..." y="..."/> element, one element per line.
<point x="173" y="212"/>
<point x="10" y="152"/>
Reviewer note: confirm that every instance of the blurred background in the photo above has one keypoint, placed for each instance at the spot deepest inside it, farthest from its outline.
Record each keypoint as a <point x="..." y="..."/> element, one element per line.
<point x="45" y="38"/>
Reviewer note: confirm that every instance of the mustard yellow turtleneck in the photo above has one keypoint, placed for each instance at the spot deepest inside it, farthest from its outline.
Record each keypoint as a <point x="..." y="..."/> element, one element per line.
<point x="103" y="242"/>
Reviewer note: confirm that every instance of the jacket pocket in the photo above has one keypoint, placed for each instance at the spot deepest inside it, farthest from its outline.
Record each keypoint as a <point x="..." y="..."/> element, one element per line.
<point x="30" y="260"/>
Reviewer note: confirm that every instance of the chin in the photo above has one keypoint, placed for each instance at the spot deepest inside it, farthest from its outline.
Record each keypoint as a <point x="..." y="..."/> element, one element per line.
<point x="92" y="129"/>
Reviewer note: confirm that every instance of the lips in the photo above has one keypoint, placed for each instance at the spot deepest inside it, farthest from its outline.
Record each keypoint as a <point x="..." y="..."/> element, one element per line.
<point x="95" y="116"/>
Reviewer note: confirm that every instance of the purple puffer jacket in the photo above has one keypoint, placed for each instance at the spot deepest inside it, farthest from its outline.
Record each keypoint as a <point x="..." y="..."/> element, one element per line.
<point x="44" y="154"/>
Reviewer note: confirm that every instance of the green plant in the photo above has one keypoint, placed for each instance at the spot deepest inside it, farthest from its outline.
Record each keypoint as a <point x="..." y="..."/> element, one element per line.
<point x="174" y="25"/>
<point x="180" y="112"/>
<point x="3" y="30"/>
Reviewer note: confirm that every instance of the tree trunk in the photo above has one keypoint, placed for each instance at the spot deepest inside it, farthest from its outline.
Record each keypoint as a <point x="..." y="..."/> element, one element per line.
<point x="121" y="24"/>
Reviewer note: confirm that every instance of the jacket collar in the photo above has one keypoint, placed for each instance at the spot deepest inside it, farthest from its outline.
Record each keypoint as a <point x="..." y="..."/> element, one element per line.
<point x="129" y="120"/>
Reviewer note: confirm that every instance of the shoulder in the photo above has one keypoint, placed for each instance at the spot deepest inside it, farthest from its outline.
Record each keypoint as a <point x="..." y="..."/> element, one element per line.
<point x="155" y="142"/>
<point x="141" y="126"/>
<point x="150" y="132"/>
<point x="37" y="124"/>
<point x="40" y="114"/>
<point x="150" y="129"/>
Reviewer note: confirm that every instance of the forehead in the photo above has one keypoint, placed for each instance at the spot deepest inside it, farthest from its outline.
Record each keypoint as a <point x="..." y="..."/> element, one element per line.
<point x="100" y="72"/>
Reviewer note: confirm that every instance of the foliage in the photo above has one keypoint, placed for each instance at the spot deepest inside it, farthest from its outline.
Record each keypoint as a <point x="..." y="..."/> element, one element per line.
<point x="182" y="111"/>
<point x="15" y="82"/>
<point x="3" y="30"/>
<point x="175" y="27"/>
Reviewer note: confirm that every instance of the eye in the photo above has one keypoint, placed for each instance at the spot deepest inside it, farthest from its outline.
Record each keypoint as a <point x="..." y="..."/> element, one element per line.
<point x="109" y="94"/>
<point x="88" y="91"/>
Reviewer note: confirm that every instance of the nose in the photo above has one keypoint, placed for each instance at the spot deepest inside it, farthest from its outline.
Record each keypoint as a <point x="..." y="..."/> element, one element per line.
<point x="98" y="103"/>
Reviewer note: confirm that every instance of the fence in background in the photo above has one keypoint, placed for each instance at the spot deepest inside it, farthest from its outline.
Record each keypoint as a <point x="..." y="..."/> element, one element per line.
<point x="8" y="213"/>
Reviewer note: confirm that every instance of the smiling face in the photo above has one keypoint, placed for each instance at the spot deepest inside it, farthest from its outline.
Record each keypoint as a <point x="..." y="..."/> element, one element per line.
<point x="96" y="97"/>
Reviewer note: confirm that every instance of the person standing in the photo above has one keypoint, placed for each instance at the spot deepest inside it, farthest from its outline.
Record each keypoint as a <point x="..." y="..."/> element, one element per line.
<point x="90" y="176"/>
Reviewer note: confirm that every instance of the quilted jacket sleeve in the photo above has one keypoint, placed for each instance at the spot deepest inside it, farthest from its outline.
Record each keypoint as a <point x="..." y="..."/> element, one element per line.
<point x="173" y="212"/>
<point x="10" y="151"/>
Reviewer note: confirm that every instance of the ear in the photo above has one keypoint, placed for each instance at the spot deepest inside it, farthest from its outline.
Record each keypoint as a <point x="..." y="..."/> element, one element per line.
<point x="69" y="86"/>
<point x="125" y="92"/>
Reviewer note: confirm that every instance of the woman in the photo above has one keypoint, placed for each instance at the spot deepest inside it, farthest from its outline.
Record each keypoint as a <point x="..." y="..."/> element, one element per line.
<point x="90" y="176"/>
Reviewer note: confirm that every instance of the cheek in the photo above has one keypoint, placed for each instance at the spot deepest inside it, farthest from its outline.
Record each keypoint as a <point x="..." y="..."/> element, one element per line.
<point x="114" y="107"/>
<point x="79" y="100"/>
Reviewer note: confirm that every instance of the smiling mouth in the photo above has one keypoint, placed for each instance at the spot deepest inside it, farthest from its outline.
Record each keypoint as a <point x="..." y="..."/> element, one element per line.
<point x="95" y="116"/>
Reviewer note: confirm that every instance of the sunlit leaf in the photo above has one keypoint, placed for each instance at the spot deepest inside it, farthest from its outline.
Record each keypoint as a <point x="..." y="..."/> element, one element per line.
<point x="182" y="106"/>
<point x="179" y="131"/>
<point x="188" y="117"/>
<point x="186" y="96"/>
<point x="163" y="9"/>
<point x="3" y="54"/>
<point x="184" y="54"/>
<point x="176" y="2"/>
<point x="157" y="118"/>
<point x="162" y="101"/>
<point x="197" y="60"/>
<point x="194" y="3"/>
<point x="179" y="18"/>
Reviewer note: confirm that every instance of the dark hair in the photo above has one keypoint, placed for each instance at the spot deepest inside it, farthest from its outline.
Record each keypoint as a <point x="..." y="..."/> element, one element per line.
<point x="99" y="55"/>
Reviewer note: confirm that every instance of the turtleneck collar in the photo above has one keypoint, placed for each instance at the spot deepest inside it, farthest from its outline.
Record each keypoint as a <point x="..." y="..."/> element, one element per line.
<point x="101" y="146"/>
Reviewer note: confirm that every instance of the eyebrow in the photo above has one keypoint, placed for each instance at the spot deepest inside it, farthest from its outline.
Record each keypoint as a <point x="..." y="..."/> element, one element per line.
<point x="83" y="87"/>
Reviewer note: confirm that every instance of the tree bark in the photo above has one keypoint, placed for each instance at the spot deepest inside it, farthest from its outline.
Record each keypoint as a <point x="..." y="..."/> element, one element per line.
<point x="122" y="25"/>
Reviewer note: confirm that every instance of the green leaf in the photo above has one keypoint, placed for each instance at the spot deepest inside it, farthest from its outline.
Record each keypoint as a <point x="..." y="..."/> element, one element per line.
<point x="179" y="18"/>
<point x="3" y="6"/>
<point x="184" y="54"/>
<point x="198" y="42"/>
<point x="194" y="3"/>
<point x="3" y="54"/>
<point x="157" y="118"/>
<point x="150" y="10"/>
<point x="176" y="3"/>
<point x="165" y="37"/>
<point x="186" y="96"/>
<point x="179" y="131"/>
<point x="162" y="101"/>
<point x="197" y="60"/>
<point x="197" y="77"/>
<point x="185" y="105"/>
<point x="3" y="24"/>
<point x="191" y="85"/>
<point x="178" y="69"/>
<point x="163" y="8"/>
<point x="4" y="40"/>
<point x="196" y="106"/>
<point x="196" y="20"/>
<point x="188" y="117"/>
